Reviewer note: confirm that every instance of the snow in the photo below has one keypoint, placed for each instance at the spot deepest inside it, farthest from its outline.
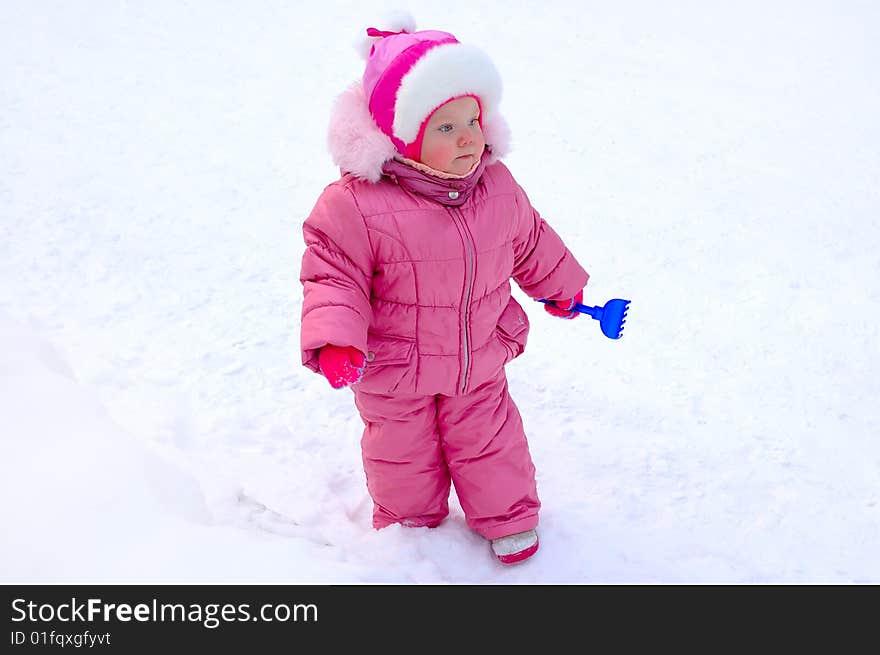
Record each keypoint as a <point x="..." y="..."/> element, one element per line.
<point x="717" y="163"/>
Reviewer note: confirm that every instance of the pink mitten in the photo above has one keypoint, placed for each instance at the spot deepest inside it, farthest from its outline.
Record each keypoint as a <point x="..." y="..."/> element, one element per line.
<point x="341" y="365"/>
<point x="565" y="308"/>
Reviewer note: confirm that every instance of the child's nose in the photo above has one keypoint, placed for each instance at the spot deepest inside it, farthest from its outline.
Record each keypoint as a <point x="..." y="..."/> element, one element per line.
<point x="467" y="137"/>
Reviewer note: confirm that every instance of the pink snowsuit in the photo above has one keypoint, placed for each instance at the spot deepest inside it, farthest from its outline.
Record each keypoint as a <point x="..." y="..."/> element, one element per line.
<point x="414" y="271"/>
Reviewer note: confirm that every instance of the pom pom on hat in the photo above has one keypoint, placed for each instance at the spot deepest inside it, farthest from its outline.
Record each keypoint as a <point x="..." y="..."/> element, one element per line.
<point x="395" y="21"/>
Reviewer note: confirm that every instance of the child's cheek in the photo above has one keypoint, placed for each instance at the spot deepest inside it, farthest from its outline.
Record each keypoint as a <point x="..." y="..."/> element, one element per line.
<point x="436" y="153"/>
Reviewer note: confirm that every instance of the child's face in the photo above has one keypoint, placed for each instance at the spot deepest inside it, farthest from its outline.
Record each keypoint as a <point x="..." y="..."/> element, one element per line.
<point x="453" y="140"/>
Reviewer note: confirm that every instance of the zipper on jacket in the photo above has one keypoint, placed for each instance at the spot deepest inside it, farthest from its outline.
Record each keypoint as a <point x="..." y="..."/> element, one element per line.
<point x="469" y="287"/>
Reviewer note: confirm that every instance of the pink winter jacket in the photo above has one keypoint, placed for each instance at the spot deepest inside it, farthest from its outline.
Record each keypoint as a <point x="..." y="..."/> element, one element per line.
<point x="414" y="271"/>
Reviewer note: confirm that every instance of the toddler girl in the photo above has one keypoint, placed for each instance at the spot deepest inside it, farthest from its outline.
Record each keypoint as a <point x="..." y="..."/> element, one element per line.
<point x="406" y="279"/>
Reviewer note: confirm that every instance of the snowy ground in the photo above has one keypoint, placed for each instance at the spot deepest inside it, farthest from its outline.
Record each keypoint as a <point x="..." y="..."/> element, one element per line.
<point x="717" y="163"/>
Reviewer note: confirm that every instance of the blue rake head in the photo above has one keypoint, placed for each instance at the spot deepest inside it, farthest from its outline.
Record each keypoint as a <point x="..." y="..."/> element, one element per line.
<point x="613" y="317"/>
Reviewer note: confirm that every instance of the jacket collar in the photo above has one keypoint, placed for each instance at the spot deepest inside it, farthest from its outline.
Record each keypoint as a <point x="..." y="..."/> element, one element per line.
<point x="452" y="191"/>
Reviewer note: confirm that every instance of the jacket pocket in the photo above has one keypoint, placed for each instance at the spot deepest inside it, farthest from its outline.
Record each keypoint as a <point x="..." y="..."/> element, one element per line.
<point x="385" y="350"/>
<point x="513" y="328"/>
<point x="389" y="364"/>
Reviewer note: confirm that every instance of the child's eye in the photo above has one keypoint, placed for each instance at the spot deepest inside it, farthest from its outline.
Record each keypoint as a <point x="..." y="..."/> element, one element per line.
<point x="475" y="121"/>
<point x="445" y="128"/>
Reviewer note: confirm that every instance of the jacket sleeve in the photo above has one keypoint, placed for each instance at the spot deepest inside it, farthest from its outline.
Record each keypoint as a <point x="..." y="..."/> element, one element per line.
<point x="543" y="267"/>
<point x="336" y="275"/>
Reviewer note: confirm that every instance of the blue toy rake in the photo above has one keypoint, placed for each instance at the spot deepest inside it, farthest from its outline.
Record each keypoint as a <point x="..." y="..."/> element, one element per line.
<point x="611" y="316"/>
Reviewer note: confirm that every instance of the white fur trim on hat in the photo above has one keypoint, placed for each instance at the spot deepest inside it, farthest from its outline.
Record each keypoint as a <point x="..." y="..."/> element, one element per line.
<point x="444" y="72"/>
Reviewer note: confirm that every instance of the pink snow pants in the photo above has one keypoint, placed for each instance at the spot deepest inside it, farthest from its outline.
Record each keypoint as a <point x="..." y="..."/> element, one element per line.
<point x="413" y="446"/>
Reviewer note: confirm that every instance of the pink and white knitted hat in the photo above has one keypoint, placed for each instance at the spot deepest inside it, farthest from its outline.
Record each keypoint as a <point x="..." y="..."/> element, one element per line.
<point x="409" y="74"/>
